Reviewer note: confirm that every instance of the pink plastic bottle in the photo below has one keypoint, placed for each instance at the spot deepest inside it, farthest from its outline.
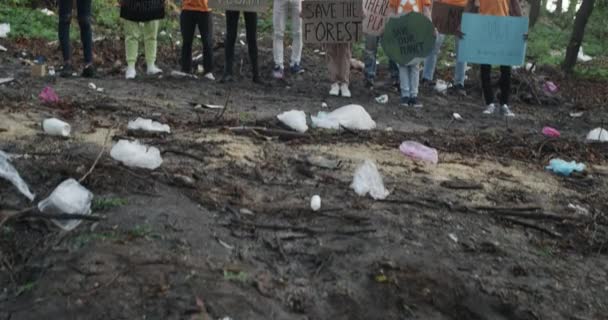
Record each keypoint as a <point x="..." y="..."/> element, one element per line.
<point x="418" y="151"/>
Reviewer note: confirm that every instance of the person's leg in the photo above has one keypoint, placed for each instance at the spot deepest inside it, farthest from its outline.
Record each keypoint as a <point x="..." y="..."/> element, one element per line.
<point x="251" y="26"/>
<point x="332" y="61"/>
<point x="86" y="32"/>
<point x="404" y="82"/>
<point x="150" y="30"/>
<point x="232" y="24"/>
<point x="187" y="23"/>
<point x="205" y="27"/>
<point x="394" y="70"/>
<point x="431" y="60"/>
<point x="461" y="67"/>
<point x="345" y="54"/>
<point x="296" y="32"/>
<point x="132" y="35"/>
<point x="505" y="84"/>
<point x="371" y="49"/>
<point x="279" y="14"/>
<point x="65" y="16"/>
<point x="486" y="83"/>
<point x="414" y="73"/>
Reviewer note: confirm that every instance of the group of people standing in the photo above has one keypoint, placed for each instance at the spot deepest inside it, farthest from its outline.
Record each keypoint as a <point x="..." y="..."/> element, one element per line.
<point x="141" y="23"/>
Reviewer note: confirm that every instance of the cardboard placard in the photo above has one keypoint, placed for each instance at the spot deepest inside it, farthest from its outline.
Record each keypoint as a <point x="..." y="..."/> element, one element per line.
<point x="376" y="15"/>
<point x="493" y="40"/>
<point x="332" y="21"/>
<point x="447" y="18"/>
<point x="408" y="38"/>
<point x="240" y="5"/>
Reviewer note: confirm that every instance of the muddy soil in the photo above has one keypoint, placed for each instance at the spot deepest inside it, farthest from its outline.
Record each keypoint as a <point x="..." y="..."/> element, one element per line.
<point x="224" y="227"/>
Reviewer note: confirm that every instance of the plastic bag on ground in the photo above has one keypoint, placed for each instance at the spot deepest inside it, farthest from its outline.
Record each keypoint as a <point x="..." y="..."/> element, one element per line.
<point x="5" y="28"/>
<point x="294" y="119"/>
<point x="551" y="132"/>
<point x="598" y="135"/>
<point x="134" y="154"/>
<point x="48" y="95"/>
<point x="367" y="179"/>
<point x="352" y="116"/>
<point x="148" y="125"/>
<point x="8" y="172"/>
<point x="419" y="151"/>
<point x="565" y="168"/>
<point x="69" y="197"/>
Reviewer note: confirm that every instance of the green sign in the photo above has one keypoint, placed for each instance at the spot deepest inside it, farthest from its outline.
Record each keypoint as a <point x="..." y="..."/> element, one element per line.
<point x="408" y="37"/>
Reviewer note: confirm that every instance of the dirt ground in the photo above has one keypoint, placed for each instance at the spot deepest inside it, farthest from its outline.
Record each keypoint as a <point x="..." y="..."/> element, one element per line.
<point x="224" y="228"/>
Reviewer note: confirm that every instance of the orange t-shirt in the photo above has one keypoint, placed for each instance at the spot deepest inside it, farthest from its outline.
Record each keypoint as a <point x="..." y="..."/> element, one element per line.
<point x="494" y="7"/>
<point x="459" y="3"/>
<point x="195" y="5"/>
<point x="407" y="6"/>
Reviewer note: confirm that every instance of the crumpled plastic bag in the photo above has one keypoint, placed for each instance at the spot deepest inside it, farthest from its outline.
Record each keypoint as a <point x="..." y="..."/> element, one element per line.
<point x="565" y="168"/>
<point x="418" y="151"/>
<point x="352" y="116"/>
<point x="134" y="154"/>
<point x="69" y="197"/>
<point x="598" y="135"/>
<point x="367" y="179"/>
<point x="48" y="95"/>
<point x="8" y="172"/>
<point x="5" y="28"/>
<point x="148" y="125"/>
<point x="294" y="119"/>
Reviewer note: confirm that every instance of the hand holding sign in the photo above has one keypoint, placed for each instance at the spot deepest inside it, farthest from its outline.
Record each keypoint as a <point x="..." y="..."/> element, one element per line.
<point x="408" y="37"/>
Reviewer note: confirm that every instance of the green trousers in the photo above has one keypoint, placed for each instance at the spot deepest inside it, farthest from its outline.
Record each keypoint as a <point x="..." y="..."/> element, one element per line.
<point x="133" y="35"/>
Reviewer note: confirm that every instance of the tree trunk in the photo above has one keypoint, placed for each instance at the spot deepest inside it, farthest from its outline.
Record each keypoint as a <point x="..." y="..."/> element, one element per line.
<point x="559" y="4"/>
<point x="582" y="17"/>
<point x="535" y="7"/>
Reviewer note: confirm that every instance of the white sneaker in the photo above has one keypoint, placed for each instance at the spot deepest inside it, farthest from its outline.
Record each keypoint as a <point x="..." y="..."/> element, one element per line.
<point x="490" y="109"/>
<point x="344" y="90"/>
<point x="506" y="111"/>
<point x="335" y="89"/>
<point x="131" y="73"/>
<point x="153" y="70"/>
<point x="209" y="76"/>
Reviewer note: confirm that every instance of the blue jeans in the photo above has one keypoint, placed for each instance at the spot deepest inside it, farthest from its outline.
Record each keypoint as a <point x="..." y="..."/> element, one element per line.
<point x="431" y="62"/>
<point x="371" y="49"/>
<point x="409" y="76"/>
<point x="84" y="21"/>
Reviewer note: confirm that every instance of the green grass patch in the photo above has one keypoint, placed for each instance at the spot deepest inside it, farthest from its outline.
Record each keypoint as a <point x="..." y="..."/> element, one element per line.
<point x="106" y="204"/>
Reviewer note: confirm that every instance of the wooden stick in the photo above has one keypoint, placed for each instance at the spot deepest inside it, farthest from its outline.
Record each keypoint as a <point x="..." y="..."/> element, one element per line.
<point x="532" y="226"/>
<point x="271" y="132"/>
<point x="103" y="149"/>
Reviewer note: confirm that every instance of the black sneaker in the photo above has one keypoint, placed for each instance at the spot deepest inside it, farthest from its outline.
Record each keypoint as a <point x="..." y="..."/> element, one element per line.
<point x="257" y="79"/>
<point x="227" y="78"/>
<point x="66" y="71"/>
<point x="88" y="71"/>
<point x="460" y="90"/>
<point x="369" y="83"/>
<point x="415" y="103"/>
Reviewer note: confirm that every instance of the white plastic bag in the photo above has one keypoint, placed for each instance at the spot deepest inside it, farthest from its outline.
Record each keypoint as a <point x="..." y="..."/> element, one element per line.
<point x="5" y="28"/>
<point x="134" y="154"/>
<point x="148" y="125"/>
<point x="598" y="135"/>
<point x="367" y="179"/>
<point x="352" y="116"/>
<point x="69" y="197"/>
<point x="8" y="172"/>
<point x="294" y="119"/>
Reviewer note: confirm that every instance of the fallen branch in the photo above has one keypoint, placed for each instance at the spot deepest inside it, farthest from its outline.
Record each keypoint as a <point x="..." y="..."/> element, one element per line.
<point x="63" y="216"/>
<point x="103" y="149"/>
<point x="271" y="132"/>
<point x="532" y="226"/>
<point x="302" y="229"/>
<point x="221" y="113"/>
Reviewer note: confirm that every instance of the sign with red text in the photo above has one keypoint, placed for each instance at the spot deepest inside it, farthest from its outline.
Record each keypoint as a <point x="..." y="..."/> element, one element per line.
<point x="333" y="21"/>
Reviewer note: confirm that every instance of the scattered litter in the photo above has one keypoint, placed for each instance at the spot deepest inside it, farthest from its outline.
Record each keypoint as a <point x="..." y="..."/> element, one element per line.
<point x="294" y="119"/>
<point x="576" y="114"/>
<point x="226" y="318"/>
<point x="134" y="154"/>
<point x="441" y="86"/>
<point x="582" y="56"/>
<point x="56" y="127"/>
<point x="324" y="105"/>
<point x="316" y="51"/>
<point x="351" y="116"/>
<point x="315" y="203"/>
<point x="6" y="80"/>
<point x="8" y="172"/>
<point x="453" y="237"/>
<point x="148" y="125"/>
<point x="92" y="86"/>
<point x="47" y="12"/>
<point x="578" y="209"/>
<point x="551" y="132"/>
<point x="225" y="245"/>
<point x="38" y="70"/>
<point x="550" y="87"/>
<point x="51" y="71"/>
<point x="598" y="135"/>
<point x="69" y="197"/>
<point x="419" y="151"/>
<point x="356" y="64"/>
<point x="3" y="48"/>
<point x="242" y="42"/>
<point x="565" y="168"/>
<point x="388" y="129"/>
<point x="48" y="95"/>
<point x="531" y="67"/>
<point x="367" y="179"/>
<point x="5" y="28"/>
<point x="456" y="116"/>
<point x="100" y="90"/>
<point x="322" y="53"/>
<point x="323" y="162"/>
<point x="181" y="74"/>
<point x="246" y="211"/>
<point x="383" y="99"/>
<point x="162" y="33"/>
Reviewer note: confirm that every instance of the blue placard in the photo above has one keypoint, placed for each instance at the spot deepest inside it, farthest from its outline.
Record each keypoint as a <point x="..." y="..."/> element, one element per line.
<point x="493" y="40"/>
